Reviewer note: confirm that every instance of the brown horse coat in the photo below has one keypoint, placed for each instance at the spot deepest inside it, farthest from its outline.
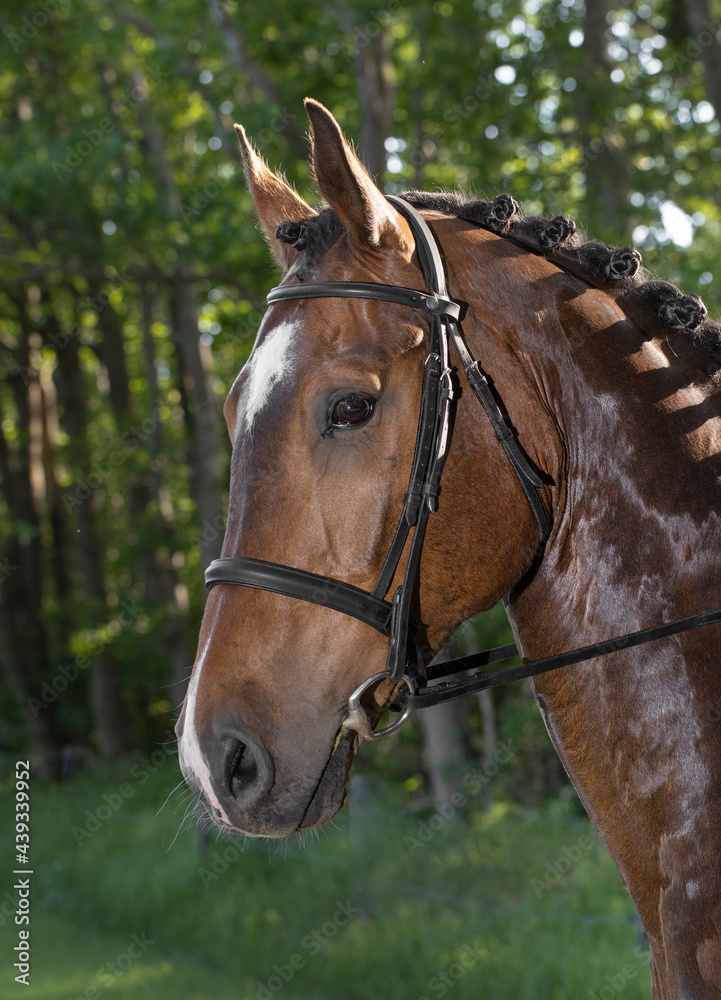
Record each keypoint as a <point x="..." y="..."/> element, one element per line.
<point x="625" y="424"/>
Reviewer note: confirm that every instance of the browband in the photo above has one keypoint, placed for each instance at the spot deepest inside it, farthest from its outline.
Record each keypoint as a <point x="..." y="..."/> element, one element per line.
<point x="435" y="304"/>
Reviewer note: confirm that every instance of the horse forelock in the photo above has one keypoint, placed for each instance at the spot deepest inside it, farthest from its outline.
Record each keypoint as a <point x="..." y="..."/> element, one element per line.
<point x="313" y="239"/>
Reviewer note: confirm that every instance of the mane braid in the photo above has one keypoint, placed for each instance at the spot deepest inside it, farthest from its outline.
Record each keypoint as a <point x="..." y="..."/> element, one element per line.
<point x="657" y="307"/>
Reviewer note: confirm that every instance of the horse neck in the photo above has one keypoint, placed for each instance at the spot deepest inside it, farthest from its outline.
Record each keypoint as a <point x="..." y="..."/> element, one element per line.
<point x="630" y="434"/>
<point x="628" y="430"/>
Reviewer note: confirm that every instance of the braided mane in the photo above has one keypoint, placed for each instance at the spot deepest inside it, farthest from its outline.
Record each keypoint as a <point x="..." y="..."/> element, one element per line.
<point x="657" y="307"/>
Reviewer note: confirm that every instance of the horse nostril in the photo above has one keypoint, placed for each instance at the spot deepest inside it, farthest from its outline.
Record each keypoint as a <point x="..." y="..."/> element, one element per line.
<point x="242" y="769"/>
<point x="247" y="769"/>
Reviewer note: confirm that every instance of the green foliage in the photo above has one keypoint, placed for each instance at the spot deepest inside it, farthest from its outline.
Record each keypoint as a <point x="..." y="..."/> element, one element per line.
<point x="385" y="903"/>
<point x="119" y="178"/>
<point x="118" y="182"/>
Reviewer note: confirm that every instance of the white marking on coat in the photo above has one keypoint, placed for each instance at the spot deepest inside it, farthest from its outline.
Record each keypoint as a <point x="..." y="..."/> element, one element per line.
<point x="269" y="364"/>
<point x="191" y="756"/>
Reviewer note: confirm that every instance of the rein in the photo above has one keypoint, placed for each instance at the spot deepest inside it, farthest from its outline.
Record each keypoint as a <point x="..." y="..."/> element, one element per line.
<point x="393" y="619"/>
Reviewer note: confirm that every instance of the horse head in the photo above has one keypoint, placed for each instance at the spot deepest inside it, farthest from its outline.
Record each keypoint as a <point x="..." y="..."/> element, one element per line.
<point x="611" y="387"/>
<point x="323" y="420"/>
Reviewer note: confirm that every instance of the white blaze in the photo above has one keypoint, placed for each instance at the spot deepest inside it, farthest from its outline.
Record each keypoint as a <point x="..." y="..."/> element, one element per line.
<point x="269" y="364"/>
<point x="191" y="756"/>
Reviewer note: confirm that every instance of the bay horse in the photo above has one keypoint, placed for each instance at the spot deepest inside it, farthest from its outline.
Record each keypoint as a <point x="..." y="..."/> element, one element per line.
<point x="606" y="383"/>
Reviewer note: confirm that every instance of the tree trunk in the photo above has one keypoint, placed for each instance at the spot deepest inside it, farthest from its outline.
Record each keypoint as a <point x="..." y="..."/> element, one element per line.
<point x="541" y="783"/>
<point x="606" y="159"/>
<point x="205" y="451"/>
<point x="21" y="670"/>
<point x="162" y="579"/>
<point x="488" y="722"/>
<point x="56" y="513"/>
<point x="703" y="30"/>
<point x="418" y="155"/>
<point x="104" y="682"/>
<point x="202" y="406"/>
<point x="594" y="33"/>
<point x="377" y="101"/>
<point x="256" y="76"/>
<point x="111" y="352"/>
<point x="24" y="651"/>
<point x="442" y="728"/>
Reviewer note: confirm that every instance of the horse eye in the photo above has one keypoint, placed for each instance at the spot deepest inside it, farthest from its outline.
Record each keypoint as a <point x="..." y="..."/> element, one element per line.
<point x="352" y="410"/>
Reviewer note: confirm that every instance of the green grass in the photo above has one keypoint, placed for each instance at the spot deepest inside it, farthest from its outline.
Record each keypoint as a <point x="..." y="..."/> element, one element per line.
<point x="500" y="904"/>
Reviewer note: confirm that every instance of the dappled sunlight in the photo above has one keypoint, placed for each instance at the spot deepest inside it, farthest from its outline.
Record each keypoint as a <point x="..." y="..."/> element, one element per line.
<point x="133" y="283"/>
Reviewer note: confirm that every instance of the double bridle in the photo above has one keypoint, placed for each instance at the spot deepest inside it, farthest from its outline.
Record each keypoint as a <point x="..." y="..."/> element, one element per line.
<point x="404" y="665"/>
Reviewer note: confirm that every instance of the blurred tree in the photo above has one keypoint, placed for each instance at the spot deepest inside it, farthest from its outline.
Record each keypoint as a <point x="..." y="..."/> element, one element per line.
<point x="132" y="275"/>
<point x="607" y="165"/>
<point x="443" y="727"/>
<point x="376" y="100"/>
<point x="701" y="40"/>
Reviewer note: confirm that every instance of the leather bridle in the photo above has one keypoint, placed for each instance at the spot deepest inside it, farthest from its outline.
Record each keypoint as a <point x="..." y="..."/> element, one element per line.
<point x="393" y="619"/>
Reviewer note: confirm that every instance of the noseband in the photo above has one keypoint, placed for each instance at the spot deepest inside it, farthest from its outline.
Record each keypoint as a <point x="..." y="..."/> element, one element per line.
<point x="404" y="665"/>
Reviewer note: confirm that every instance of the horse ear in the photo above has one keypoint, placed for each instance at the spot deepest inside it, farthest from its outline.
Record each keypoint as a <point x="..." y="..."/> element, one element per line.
<point x="348" y="188"/>
<point x="275" y="201"/>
